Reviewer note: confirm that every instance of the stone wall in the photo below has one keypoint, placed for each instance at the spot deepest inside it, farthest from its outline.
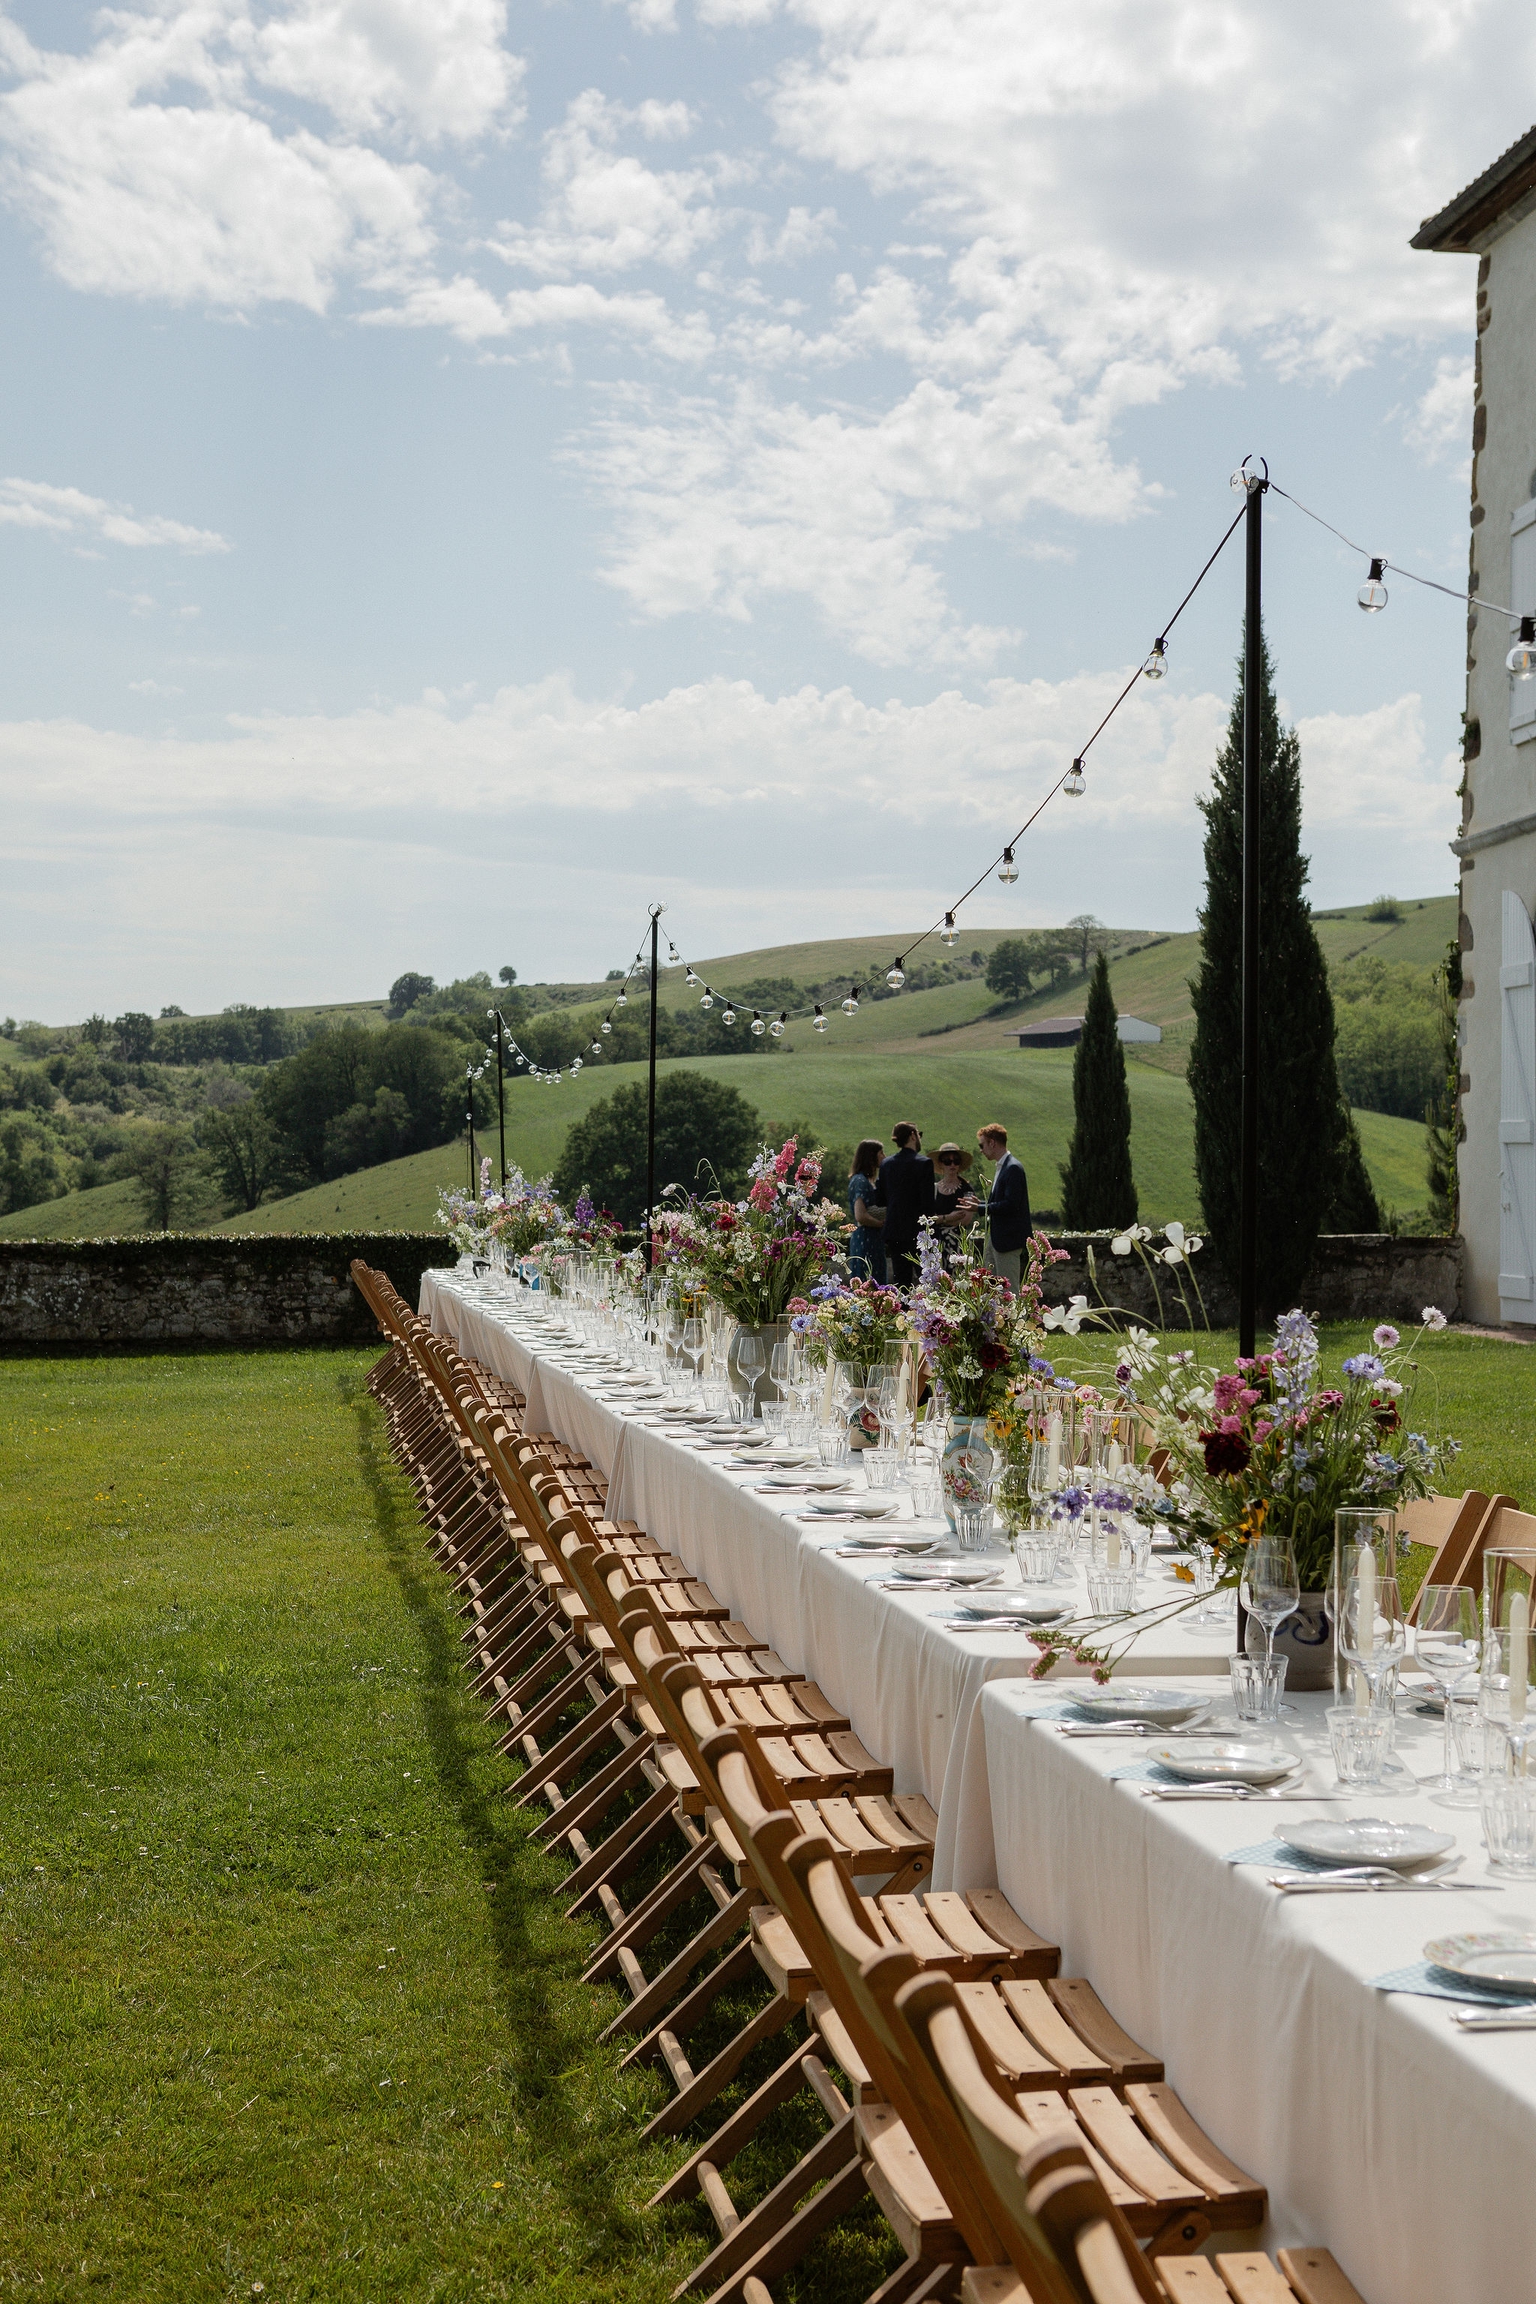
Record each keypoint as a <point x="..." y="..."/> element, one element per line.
<point x="1354" y="1276"/>
<point x="173" y="1288"/>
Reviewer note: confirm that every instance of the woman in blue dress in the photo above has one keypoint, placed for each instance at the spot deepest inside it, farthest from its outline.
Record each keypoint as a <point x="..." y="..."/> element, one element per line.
<point x="866" y="1249"/>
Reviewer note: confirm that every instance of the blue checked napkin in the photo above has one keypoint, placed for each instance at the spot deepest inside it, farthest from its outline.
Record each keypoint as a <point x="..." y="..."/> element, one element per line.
<point x="1439" y="1984"/>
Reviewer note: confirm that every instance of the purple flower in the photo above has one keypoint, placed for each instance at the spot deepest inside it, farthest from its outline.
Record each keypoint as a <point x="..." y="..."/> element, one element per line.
<point x="1365" y="1368"/>
<point x="1039" y="1367"/>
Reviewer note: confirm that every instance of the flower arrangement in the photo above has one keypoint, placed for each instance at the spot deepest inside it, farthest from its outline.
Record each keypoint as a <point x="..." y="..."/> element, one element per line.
<point x="976" y="1330"/>
<point x="589" y="1226"/>
<point x="1266" y="1446"/>
<point x="753" y="1255"/>
<point x="849" y="1320"/>
<point x="524" y="1217"/>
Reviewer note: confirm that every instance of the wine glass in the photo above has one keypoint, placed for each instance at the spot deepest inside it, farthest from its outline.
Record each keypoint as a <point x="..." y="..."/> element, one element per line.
<point x="1271" y="1588"/>
<point x="1448" y="1647"/>
<point x="693" y="1343"/>
<point x="750" y="1363"/>
<point x="781" y="1362"/>
<point x="1373" y="1632"/>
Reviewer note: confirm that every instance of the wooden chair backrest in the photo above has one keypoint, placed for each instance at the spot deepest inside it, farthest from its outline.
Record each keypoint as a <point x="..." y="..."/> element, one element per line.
<point x="1081" y="2242"/>
<point x="1451" y="1527"/>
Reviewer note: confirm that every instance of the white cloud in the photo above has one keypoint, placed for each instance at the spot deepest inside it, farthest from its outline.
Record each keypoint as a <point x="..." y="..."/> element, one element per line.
<point x="476" y="316"/>
<point x="605" y="211"/>
<point x="432" y="70"/>
<point x="70" y="512"/>
<point x="153" y="688"/>
<point x="1439" y="426"/>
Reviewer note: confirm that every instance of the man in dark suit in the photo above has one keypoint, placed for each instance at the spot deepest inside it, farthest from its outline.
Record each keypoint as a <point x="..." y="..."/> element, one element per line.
<point x="1008" y="1218"/>
<point x="906" y="1189"/>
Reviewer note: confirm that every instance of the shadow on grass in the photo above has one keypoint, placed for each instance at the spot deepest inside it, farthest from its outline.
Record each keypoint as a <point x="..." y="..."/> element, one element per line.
<point x="559" y="2071"/>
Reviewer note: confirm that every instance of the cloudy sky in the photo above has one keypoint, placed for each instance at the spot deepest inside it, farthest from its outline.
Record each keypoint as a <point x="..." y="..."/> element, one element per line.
<point x="468" y="469"/>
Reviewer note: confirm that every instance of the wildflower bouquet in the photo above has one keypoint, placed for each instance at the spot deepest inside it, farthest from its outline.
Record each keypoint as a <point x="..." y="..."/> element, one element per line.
<point x="850" y="1320"/>
<point x="753" y="1255"/>
<point x="527" y="1218"/>
<point x="589" y="1226"/>
<point x="467" y="1217"/>
<point x="1266" y="1445"/>
<point x="976" y="1330"/>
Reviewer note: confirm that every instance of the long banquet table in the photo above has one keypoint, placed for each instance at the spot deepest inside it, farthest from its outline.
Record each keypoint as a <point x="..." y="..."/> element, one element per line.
<point x="909" y="1684"/>
<point x="1402" y="2144"/>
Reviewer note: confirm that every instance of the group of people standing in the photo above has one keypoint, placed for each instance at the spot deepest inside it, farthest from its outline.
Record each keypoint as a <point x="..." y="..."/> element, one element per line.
<point x="889" y="1197"/>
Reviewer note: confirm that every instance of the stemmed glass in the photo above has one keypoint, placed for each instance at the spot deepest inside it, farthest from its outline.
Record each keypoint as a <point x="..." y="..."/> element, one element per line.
<point x="1373" y="1632"/>
<point x="693" y="1343"/>
<point x="1448" y="1647"/>
<point x="750" y="1363"/>
<point x="781" y="1361"/>
<point x="1271" y="1588"/>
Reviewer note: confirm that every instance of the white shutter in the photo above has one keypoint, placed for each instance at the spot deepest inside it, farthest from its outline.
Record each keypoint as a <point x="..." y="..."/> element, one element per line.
<point x="1517" y="1115"/>
<point x="1522" y="601"/>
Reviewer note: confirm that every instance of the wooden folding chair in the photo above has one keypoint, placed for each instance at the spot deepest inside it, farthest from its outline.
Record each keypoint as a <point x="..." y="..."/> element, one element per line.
<point x="1455" y="1530"/>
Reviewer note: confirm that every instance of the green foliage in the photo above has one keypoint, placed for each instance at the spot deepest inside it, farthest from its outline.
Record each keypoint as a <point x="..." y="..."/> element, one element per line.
<point x="1052" y="953"/>
<point x="1387" y="1044"/>
<point x="133" y="1037"/>
<point x="354" y="1097"/>
<point x="161" y="1158"/>
<point x="1386" y="908"/>
<point x="705" y="1131"/>
<point x="1010" y="967"/>
<point x="1097" y="1186"/>
<point x="241" y="1035"/>
<point x="1300" y="1129"/>
<point x="244" y="1153"/>
<point x="29" y="1166"/>
<point x="404" y="993"/>
<point x="1442" y="1117"/>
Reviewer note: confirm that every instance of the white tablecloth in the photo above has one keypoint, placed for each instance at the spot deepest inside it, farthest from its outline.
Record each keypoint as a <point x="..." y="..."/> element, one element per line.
<point x="908" y="1684"/>
<point x="1382" y="2133"/>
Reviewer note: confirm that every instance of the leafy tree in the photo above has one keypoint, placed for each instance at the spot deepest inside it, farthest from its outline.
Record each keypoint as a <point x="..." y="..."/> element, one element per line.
<point x="135" y="1036"/>
<point x="95" y="1029"/>
<point x="1389" y="1057"/>
<point x="1085" y="934"/>
<point x="507" y="975"/>
<point x="173" y="1010"/>
<point x="1010" y="967"/>
<point x="340" y="1074"/>
<point x="1300" y="1134"/>
<point x="701" y="1125"/>
<point x="365" y="1134"/>
<point x="160" y="1156"/>
<point x="1097" y="1187"/>
<point x="244" y="1153"/>
<point x="1442" y="1117"/>
<point x="29" y="1169"/>
<point x="405" y="991"/>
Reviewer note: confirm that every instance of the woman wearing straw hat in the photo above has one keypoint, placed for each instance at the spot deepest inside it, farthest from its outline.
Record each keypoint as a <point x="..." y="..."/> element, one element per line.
<point x="954" y="1203"/>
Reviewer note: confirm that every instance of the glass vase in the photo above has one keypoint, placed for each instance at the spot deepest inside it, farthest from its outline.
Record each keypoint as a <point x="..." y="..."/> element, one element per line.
<point x="967" y="1467"/>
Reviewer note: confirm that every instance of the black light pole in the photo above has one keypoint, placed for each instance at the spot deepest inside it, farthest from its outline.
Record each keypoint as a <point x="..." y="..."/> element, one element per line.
<point x="650" y="1109"/>
<point x="501" y="1096"/>
<point x="469" y="1124"/>
<point x="1253" y="738"/>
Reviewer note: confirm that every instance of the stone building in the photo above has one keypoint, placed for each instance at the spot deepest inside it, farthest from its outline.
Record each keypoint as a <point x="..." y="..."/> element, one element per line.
<point x="1495" y="220"/>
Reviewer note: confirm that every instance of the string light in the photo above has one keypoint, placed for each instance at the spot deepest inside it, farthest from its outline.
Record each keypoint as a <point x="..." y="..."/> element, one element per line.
<point x="1521" y="660"/>
<point x="1008" y="871"/>
<point x="896" y="975"/>
<point x="727" y="1014"/>
<point x="707" y="998"/>
<point x="1156" y="664"/>
<point x="758" y="1026"/>
<point x="949" y="933"/>
<point x="851" y="1004"/>
<point x="692" y="977"/>
<point x="776" y="1028"/>
<point x="818" y="1021"/>
<point x="1372" y="595"/>
<point x="1075" y="783"/>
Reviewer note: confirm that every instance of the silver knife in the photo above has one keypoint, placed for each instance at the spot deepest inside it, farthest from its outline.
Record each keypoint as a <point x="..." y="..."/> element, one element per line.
<point x="1387" y="1887"/>
<point x="1520" y="2018"/>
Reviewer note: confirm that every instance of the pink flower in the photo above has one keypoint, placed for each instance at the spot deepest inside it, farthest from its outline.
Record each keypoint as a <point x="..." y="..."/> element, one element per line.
<point x="1247" y="1398"/>
<point x="1230" y="1424"/>
<point x="785" y="1161"/>
<point x="808" y="1175"/>
<point x="763" y="1194"/>
<point x="1328" y="1400"/>
<point x="1385" y="1337"/>
<point x="1262" y="1430"/>
<point x="1228" y="1390"/>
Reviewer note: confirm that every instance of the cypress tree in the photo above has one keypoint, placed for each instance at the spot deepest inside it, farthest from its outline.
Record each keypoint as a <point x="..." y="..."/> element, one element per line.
<point x="1300" y="1108"/>
<point x="1442" y="1117"/>
<point x="1097" y="1187"/>
<point x="1353" y="1207"/>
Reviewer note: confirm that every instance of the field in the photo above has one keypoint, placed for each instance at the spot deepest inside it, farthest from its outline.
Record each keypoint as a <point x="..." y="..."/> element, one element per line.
<point x="288" y="2006"/>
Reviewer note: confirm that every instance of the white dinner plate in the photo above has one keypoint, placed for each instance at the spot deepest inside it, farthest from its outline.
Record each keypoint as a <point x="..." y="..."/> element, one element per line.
<point x="1157" y="1707"/>
<point x="866" y="1507"/>
<point x="1027" y="1607"/>
<point x="888" y="1542"/>
<point x="1226" y="1760"/>
<point x="945" y="1568"/>
<point x="822" y="1476"/>
<point x="1366" y="1840"/>
<point x="1499" y="1958"/>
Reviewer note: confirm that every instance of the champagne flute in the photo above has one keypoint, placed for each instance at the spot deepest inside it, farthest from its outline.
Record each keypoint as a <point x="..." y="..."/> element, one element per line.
<point x="1271" y="1587"/>
<point x="1448" y="1647"/>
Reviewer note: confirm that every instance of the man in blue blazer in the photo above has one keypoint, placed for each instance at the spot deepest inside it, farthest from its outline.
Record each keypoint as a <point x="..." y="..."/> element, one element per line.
<point x="906" y="1194"/>
<point x="1008" y="1218"/>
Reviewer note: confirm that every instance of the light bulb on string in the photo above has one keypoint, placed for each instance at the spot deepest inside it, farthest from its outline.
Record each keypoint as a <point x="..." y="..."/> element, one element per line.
<point x="818" y="1021"/>
<point x="896" y="975"/>
<point x="1520" y="663"/>
<point x="776" y="1028"/>
<point x="851" y="1004"/>
<point x="949" y="933"/>
<point x="1075" y="782"/>
<point x="597" y="1047"/>
<point x="1007" y="871"/>
<point x="607" y="1027"/>
<point x="1157" y="663"/>
<point x="674" y="957"/>
<point x="727" y="1014"/>
<point x="706" y="998"/>
<point x="692" y="979"/>
<point x="1372" y="594"/>
<point x="621" y="1000"/>
<point x="575" y="1066"/>
<point x="758" y="1026"/>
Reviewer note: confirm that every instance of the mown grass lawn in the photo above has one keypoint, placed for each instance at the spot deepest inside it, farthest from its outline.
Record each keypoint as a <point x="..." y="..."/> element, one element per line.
<point x="287" y="2004"/>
